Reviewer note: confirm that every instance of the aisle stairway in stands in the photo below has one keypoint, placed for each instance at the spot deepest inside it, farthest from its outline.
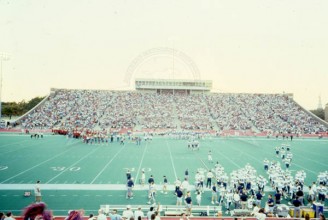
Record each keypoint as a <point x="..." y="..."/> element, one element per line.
<point x="176" y="120"/>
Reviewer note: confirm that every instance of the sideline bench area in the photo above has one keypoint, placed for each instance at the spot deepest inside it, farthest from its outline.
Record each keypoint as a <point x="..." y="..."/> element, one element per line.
<point x="203" y="211"/>
<point x="168" y="210"/>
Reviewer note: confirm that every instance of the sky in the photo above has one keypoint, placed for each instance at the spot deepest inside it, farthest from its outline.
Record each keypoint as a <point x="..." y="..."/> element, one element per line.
<point x="243" y="46"/>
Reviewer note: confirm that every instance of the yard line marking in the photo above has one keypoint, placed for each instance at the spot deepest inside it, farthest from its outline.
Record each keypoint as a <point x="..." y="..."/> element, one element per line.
<point x="27" y="146"/>
<point x="231" y="161"/>
<point x="37" y="165"/>
<point x="274" y="139"/>
<point x="202" y="161"/>
<point x="244" y="152"/>
<point x="107" y="165"/>
<point x="20" y="134"/>
<point x="299" y="155"/>
<point x="18" y="142"/>
<point x="175" y="172"/>
<point x="256" y="159"/>
<point x="143" y="155"/>
<point x="307" y="152"/>
<point x="72" y="165"/>
<point x="311" y="171"/>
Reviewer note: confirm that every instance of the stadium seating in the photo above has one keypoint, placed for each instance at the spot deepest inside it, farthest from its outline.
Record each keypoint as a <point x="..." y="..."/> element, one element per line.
<point x="85" y="110"/>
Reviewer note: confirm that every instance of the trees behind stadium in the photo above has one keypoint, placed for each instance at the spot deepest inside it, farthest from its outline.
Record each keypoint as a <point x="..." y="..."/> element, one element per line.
<point x="19" y="108"/>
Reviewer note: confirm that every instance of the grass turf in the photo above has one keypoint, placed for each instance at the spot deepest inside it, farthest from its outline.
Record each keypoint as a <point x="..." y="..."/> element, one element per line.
<point x="58" y="160"/>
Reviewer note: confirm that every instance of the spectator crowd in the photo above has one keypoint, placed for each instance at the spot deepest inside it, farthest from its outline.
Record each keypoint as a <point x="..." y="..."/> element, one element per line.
<point x="82" y="110"/>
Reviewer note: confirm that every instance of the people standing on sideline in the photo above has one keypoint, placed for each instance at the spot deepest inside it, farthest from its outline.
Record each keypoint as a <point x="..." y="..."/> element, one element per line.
<point x="143" y="178"/>
<point x="311" y="196"/>
<point x="179" y="195"/>
<point x="243" y="199"/>
<point x="165" y="182"/>
<point x="114" y="216"/>
<point x="297" y="207"/>
<point x="199" y="198"/>
<point x="260" y="215"/>
<point x="138" y="213"/>
<point x="128" y="214"/>
<point x="152" y="193"/>
<point x="214" y="194"/>
<point x="188" y="202"/>
<point x="128" y="175"/>
<point x="101" y="215"/>
<point x="129" y="185"/>
<point x="184" y="186"/>
<point x="150" y="212"/>
<point x="229" y="198"/>
<point x="177" y="184"/>
<point x="91" y="217"/>
<point x="37" y="192"/>
<point x="209" y="176"/>
<point x="9" y="216"/>
<point x="322" y="192"/>
<point x="258" y="200"/>
<point x="151" y="181"/>
<point x="315" y="190"/>
<point x="236" y="199"/>
<point x="270" y="203"/>
<point x="277" y="197"/>
<point x="223" y="192"/>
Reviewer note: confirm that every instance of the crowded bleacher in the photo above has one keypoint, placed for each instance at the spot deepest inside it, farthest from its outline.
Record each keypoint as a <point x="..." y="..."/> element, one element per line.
<point x="85" y="110"/>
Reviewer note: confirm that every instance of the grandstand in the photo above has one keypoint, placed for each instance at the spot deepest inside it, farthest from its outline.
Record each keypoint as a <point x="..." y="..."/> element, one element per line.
<point x="166" y="105"/>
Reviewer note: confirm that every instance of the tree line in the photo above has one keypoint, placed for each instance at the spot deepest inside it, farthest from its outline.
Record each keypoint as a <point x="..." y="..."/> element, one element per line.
<point x="19" y="108"/>
<point x="319" y="112"/>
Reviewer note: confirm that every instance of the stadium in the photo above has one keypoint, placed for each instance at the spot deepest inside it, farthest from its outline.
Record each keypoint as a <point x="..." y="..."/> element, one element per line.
<point x="172" y="110"/>
<point x="86" y="145"/>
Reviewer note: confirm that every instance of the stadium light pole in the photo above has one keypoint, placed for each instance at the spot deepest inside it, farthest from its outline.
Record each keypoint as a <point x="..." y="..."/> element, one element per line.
<point x="3" y="57"/>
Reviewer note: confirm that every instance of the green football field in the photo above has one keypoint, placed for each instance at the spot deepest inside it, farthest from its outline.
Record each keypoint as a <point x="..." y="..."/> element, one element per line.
<point x="76" y="175"/>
